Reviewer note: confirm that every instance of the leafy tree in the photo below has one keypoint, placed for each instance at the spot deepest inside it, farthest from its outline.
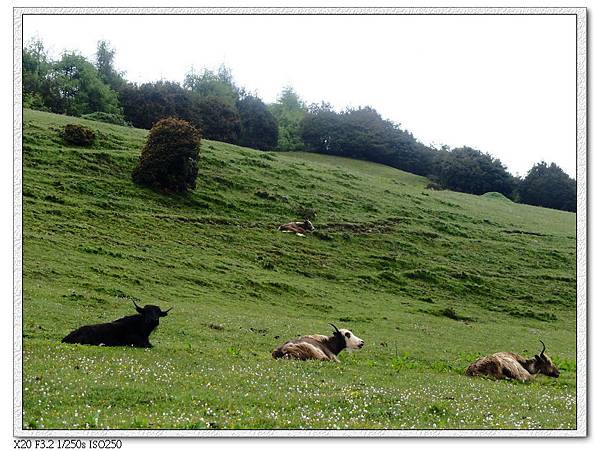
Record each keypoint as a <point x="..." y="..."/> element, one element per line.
<point x="548" y="186"/>
<point x="146" y="104"/>
<point x="289" y="110"/>
<point x="105" y="56"/>
<point x="411" y="155"/>
<point x="70" y="85"/>
<point x="210" y="84"/>
<point x="75" y="88"/>
<point x="472" y="171"/>
<point x="259" y="128"/>
<point x="36" y="66"/>
<point x="368" y="137"/>
<point x="218" y="119"/>
<point x="319" y="129"/>
<point x="169" y="160"/>
<point x="363" y="134"/>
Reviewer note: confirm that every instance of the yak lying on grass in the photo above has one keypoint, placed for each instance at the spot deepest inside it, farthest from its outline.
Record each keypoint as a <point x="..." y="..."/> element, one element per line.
<point x="131" y="330"/>
<point x="299" y="228"/>
<point x="319" y="347"/>
<point x="507" y="365"/>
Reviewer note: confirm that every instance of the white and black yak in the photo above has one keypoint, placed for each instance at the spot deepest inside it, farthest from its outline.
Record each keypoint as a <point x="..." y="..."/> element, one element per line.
<point x="297" y="227"/>
<point x="319" y="347"/>
<point x="508" y="365"/>
<point x="131" y="330"/>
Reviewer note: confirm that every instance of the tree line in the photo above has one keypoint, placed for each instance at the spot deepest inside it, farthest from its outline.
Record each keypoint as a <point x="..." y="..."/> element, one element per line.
<point x="212" y="102"/>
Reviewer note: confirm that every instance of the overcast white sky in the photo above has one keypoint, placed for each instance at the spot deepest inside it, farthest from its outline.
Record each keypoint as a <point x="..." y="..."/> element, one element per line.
<point x="502" y="84"/>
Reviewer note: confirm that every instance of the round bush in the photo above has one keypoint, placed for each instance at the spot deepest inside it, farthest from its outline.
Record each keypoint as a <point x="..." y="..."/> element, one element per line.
<point x="80" y="135"/>
<point x="169" y="160"/>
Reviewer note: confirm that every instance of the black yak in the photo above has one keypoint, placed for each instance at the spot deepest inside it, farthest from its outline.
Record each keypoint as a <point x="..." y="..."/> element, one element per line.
<point x="319" y="347"/>
<point x="131" y="330"/>
<point x="507" y="365"/>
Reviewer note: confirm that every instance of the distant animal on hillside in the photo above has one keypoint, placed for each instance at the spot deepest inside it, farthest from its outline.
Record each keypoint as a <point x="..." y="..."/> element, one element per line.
<point x="298" y="227"/>
<point x="131" y="330"/>
<point x="319" y="347"/>
<point x="507" y="365"/>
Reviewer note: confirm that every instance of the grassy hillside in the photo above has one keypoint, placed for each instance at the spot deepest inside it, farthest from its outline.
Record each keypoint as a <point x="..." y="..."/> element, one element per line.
<point x="430" y="280"/>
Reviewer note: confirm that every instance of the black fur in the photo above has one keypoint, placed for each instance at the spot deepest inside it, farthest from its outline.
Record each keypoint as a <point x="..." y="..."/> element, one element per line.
<point x="278" y="353"/>
<point x="131" y="330"/>
<point x="337" y="343"/>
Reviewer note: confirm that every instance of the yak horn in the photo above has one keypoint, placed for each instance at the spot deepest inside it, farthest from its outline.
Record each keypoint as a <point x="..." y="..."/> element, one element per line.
<point x="137" y="307"/>
<point x="543" y="349"/>
<point x="165" y="312"/>
<point x="333" y="325"/>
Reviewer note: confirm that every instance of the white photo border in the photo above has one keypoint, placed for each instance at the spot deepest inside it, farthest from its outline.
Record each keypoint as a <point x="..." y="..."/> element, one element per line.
<point x="581" y="218"/>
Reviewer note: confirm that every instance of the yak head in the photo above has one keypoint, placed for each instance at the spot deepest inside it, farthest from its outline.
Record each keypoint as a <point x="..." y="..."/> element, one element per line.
<point x="151" y="313"/>
<point x="544" y="365"/>
<point x="308" y="226"/>
<point x="351" y="340"/>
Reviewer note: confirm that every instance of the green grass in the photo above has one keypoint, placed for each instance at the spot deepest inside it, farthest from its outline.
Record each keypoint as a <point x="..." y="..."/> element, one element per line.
<point x="429" y="279"/>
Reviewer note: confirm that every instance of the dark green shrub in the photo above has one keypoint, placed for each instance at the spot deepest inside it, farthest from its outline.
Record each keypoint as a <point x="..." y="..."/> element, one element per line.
<point x="80" y="135"/>
<point x="108" y="118"/>
<point x="449" y="312"/>
<point x="471" y="171"/>
<point x="219" y="120"/>
<point x="363" y="134"/>
<point x="434" y="186"/>
<point x="169" y="160"/>
<point x="259" y="128"/>
<point x="146" y="104"/>
<point x="34" y="101"/>
<point x="548" y="186"/>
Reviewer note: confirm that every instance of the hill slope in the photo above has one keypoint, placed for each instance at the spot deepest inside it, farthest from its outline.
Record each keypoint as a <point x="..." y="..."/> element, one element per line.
<point x="430" y="280"/>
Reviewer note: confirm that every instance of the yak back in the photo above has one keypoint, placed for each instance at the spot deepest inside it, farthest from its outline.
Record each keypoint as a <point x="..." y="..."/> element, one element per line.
<point x="133" y="330"/>
<point x="320" y="347"/>
<point x="501" y="365"/>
